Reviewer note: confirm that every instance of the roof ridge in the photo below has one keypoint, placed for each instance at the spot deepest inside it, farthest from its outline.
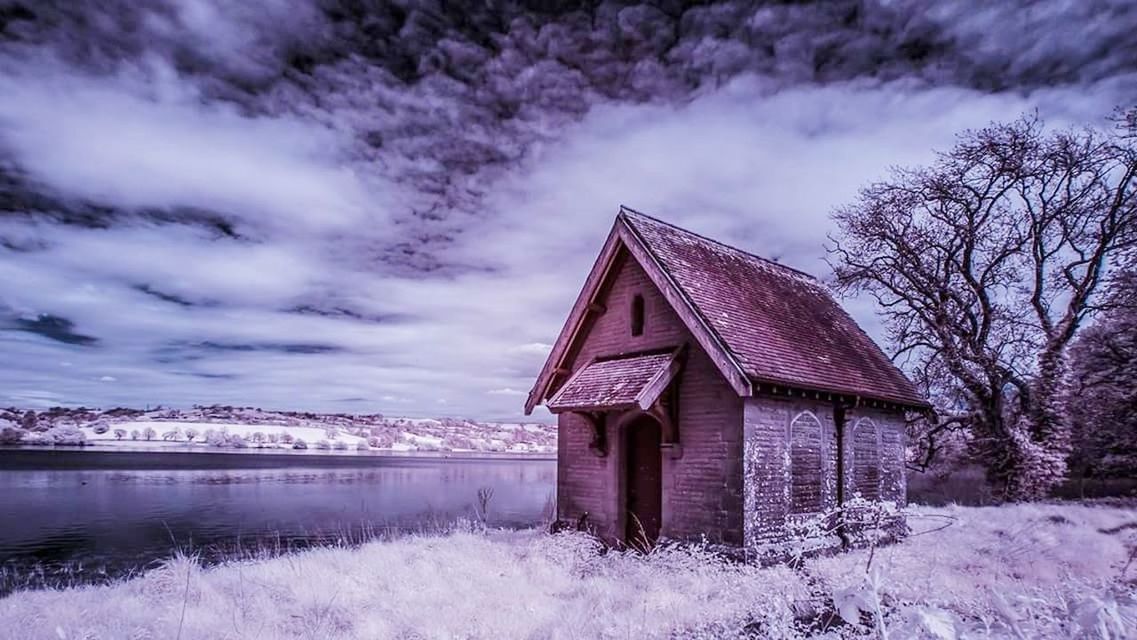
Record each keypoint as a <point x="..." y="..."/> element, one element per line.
<point x="624" y="209"/>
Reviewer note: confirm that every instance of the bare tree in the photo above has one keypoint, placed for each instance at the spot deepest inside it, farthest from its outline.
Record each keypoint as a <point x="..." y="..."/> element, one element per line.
<point x="985" y="265"/>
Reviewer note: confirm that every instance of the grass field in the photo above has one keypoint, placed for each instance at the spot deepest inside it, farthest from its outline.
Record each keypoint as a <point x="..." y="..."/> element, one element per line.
<point x="1023" y="571"/>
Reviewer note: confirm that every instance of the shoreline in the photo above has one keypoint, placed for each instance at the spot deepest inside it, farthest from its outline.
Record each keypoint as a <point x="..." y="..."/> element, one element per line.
<point x="174" y="456"/>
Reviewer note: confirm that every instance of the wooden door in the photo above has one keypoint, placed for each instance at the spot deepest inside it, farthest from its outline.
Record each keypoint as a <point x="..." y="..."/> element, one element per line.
<point x="643" y="483"/>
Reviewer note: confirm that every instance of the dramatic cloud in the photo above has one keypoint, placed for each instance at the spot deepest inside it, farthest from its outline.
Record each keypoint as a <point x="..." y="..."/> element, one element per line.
<point x="103" y="140"/>
<point x="319" y="205"/>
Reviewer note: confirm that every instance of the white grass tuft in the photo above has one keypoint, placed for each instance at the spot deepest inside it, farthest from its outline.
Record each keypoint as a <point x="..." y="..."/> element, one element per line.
<point x="1033" y="571"/>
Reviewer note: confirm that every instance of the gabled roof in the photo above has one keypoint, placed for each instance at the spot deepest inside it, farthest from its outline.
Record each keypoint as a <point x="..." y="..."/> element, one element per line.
<point x="759" y="321"/>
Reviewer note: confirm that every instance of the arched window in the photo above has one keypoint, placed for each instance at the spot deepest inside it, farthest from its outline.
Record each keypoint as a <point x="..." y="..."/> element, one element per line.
<point x="866" y="460"/>
<point x="637" y="315"/>
<point x="891" y="464"/>
<point x="805" y="464"/>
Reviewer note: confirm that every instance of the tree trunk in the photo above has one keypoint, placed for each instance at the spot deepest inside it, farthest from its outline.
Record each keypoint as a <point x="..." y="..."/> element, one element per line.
<point x="1025" y="451"/>
<point x="1033" y="468"/>
<point x="1044" y="443"/>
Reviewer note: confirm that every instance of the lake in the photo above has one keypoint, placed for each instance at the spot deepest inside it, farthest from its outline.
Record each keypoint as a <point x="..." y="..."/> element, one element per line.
<point x="70" y="517"/>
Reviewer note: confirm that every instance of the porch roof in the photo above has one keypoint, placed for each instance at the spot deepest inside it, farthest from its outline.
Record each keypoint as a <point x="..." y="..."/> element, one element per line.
<point x="617" y="382"/>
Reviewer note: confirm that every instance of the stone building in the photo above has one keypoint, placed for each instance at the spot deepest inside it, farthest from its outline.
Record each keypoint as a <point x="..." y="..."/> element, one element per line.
<point x="702" y="391"/>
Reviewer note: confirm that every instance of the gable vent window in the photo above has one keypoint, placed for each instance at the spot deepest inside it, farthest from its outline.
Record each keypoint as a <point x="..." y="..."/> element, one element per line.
<point x="638" y="315"/>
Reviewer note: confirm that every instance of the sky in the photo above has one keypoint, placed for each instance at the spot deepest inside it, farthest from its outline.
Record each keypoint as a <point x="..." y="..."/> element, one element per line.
<point x="390" y="207"/>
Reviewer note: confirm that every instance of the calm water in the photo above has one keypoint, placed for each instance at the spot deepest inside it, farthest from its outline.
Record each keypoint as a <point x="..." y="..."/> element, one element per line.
<point x="86" y="516"/>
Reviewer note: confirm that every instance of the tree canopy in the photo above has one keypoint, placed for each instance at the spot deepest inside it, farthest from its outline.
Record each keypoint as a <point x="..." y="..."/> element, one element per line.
<point x="986" y="264"/>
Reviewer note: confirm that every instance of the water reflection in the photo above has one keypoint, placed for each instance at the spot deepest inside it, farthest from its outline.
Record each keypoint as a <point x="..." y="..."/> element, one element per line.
<point x="92" y="523"/>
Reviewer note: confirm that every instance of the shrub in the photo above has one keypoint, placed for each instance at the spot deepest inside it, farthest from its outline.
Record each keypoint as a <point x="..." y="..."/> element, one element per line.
<point x="191" y="433"/>
<point x="299" y="444"/>
<point x="323" y="444"/>
<point x="119" y="434"/>
<point x="274" y="437"/>
<point x="11" y="435"/>
<point x="68" y="435"/>
<point x="37" y="438"/>
<point x="340" y="445"/>
<point x="457" y="441"/>
<point x="173" y="434"/>
<point x="362" y="446"/>
<point x="101" y="427"/>
<point x="286" y="438"/>
<point x="135" y="434"/>
<point x="149" y="433"/>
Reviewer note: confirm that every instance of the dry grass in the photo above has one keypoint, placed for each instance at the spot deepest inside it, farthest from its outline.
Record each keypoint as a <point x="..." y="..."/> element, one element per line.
<point x="1045" y="561"/>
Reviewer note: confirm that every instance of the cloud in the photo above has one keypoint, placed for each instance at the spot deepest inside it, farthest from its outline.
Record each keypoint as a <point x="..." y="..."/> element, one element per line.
<point x="52" y="328"/>
<point x="143" y="139"/>
<point x="535" y="348"/>
<point x="243" y="42"/>
<point x="177" y="263"/>
<point x="325" y="207"/>
<point x="758" y="170"/>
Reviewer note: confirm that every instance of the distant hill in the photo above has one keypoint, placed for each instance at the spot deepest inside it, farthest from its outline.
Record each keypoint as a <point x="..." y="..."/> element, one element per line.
<point x="241" y="427"/>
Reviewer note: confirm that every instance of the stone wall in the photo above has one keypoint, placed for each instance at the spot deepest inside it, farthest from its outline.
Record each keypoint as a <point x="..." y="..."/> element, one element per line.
<point x="776" y="498"/>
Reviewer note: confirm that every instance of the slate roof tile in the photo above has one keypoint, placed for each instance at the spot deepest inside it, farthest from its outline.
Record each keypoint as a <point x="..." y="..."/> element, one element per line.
<point x="781" y="325"/>
<point x="609" y="383"/>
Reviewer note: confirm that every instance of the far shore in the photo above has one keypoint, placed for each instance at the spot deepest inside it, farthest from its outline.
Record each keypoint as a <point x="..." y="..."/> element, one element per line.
<point x="181" y="456"/>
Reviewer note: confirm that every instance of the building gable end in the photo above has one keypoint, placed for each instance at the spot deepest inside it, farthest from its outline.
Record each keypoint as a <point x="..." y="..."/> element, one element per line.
<point x="622" y="236"/>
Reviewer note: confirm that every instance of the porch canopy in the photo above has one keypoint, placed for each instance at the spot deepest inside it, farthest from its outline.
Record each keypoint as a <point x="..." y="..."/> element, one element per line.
<point x="618" y="382"/>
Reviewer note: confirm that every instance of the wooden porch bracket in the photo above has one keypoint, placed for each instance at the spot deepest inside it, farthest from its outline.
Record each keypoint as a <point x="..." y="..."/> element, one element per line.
<point x="597" y="421"/>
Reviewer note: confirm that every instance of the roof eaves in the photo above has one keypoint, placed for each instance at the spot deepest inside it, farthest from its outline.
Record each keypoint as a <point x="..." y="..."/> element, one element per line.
<point x="576" y="318"/>
<point x="555" y="398"/>
<point x="910" y="403"/>
<point x="662" y="379"/>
